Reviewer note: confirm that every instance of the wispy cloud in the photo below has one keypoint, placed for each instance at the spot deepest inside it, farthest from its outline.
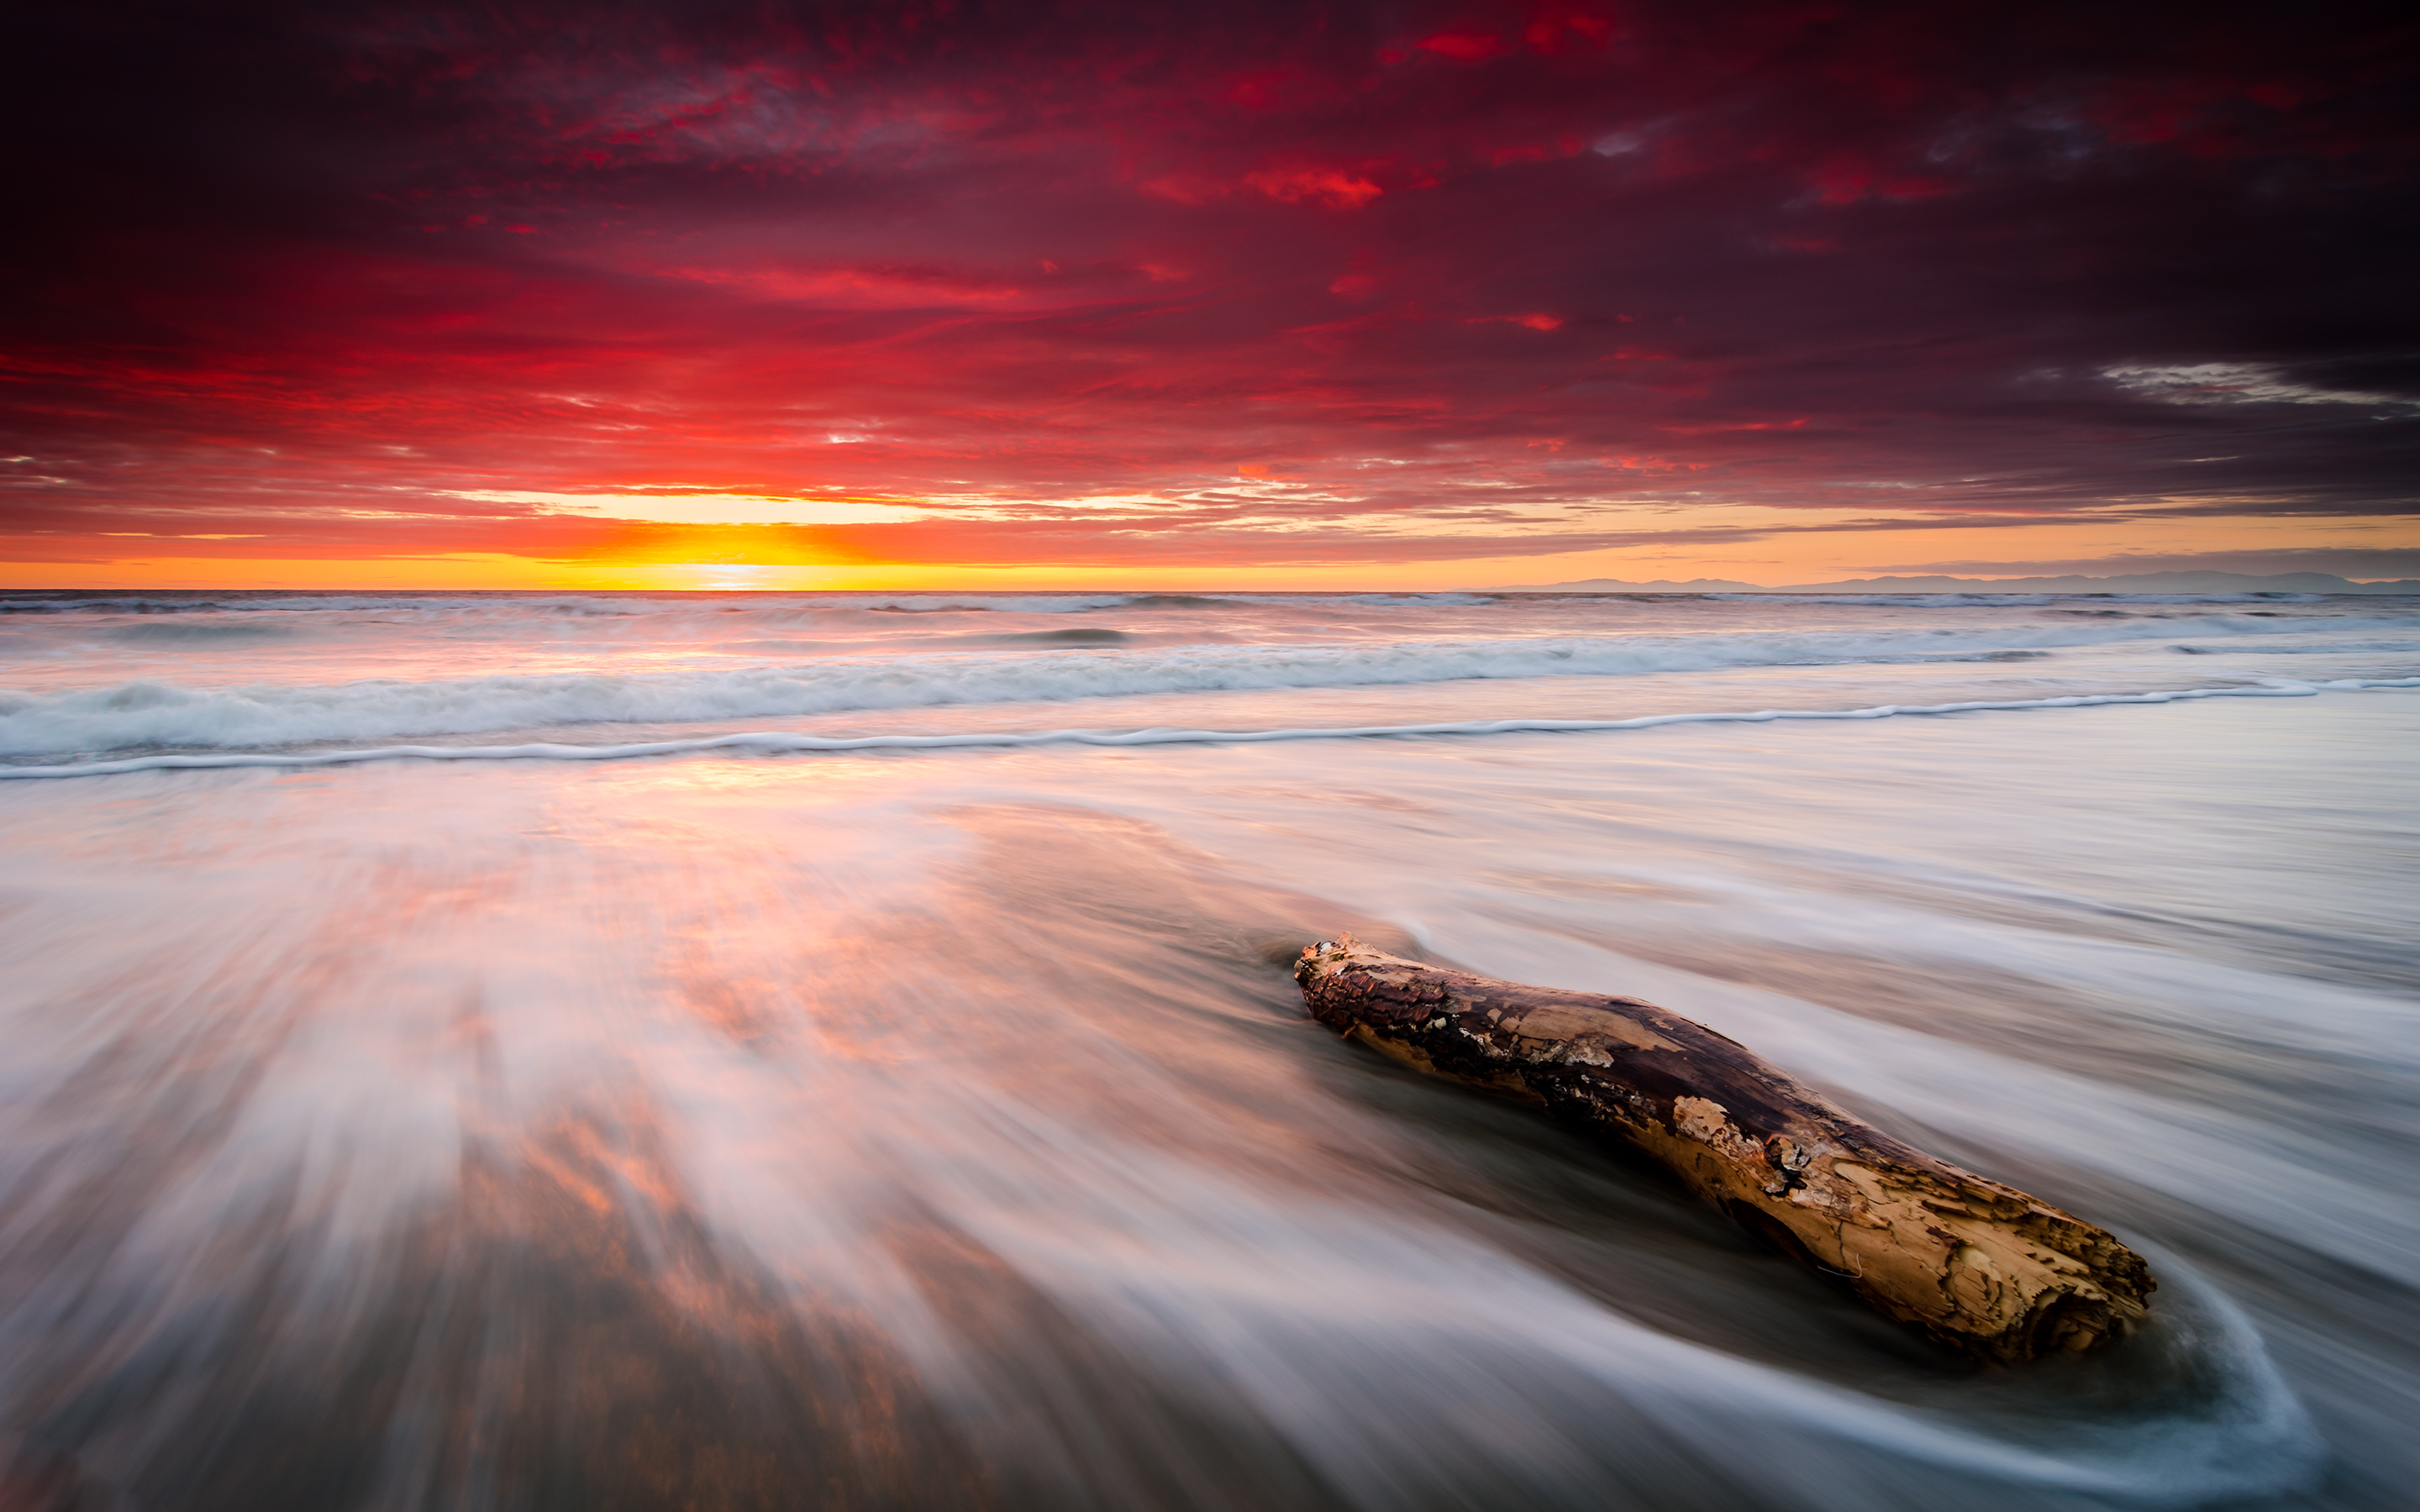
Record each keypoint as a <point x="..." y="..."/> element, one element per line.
<point x="2239" y="384"/>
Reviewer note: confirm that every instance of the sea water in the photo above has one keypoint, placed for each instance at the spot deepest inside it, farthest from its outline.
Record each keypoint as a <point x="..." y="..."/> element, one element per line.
<point x="642" y="1051"/>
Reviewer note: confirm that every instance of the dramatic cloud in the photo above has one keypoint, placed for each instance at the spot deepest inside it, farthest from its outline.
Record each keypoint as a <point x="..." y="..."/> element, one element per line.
<point x="1227" y="287"/>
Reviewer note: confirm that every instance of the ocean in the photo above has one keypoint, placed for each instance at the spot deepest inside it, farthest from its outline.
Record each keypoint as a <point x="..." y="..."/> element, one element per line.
<point x="759" y="1050"/>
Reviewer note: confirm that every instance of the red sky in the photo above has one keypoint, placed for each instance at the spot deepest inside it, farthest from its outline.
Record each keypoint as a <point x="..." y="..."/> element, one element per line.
<point x="1290" y="294"/>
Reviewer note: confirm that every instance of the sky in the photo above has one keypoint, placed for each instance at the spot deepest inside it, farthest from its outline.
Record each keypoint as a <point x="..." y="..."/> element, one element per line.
<point x="1308" y="295"/>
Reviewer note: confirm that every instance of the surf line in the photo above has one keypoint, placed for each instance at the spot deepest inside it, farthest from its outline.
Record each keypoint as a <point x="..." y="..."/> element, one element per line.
<point x="779" y="742"/>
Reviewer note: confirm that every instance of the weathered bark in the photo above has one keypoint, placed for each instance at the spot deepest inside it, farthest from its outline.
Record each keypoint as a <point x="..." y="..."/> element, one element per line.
<point x="1978" y="1266"/>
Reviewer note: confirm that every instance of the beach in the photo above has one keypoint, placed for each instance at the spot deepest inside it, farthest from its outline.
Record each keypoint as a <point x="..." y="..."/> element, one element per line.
<point x="765" y="1050"/>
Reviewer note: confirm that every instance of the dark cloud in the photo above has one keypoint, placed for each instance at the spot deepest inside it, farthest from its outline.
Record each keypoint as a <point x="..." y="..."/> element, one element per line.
<point x="317" y="274"/>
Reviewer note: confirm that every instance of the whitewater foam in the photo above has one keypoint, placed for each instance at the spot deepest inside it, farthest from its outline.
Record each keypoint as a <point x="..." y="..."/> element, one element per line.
<point x="780" y="741"/>
<point x="1986" y="600"/>
<point x="153" y="713"/>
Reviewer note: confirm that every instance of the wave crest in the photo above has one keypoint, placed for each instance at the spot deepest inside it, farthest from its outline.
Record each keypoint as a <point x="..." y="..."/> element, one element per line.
<point x="155" y="714"/>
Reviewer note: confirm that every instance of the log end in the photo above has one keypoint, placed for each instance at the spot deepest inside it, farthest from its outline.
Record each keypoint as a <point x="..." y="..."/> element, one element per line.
<point x="1987" y="1270"/>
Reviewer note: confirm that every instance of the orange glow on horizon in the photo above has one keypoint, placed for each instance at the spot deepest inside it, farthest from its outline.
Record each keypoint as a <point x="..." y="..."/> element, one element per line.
<point x="635" y="556"/>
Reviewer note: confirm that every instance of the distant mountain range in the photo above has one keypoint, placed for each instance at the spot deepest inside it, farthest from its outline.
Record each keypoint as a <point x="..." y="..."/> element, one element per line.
<point x="2140" y="582"/>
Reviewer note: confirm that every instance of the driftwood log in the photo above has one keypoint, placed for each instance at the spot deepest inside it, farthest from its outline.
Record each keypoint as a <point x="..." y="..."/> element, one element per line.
<point x="1979" y="1267"/>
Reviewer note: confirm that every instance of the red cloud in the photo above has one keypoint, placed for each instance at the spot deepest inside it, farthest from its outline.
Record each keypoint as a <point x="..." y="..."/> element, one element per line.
<point x="1464" y="46"/>
<point x="1568" y="144"/>
<point x="1552" y="29"/>
<point x="1535" y="322"/>
<point x="1715" y="429"/>
<point x="1331" y="186"/>
<point x="1845" y="178"/>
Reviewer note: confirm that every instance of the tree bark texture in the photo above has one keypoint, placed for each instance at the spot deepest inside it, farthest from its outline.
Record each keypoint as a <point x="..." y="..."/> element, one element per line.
<point x="1979" y="1267"/>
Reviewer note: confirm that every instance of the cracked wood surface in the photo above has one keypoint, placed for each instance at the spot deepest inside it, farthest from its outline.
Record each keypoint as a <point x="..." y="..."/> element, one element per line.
<point x="1978" y="1266"/>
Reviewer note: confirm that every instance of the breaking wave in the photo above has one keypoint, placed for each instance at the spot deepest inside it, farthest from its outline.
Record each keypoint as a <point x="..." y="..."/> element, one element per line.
<point x="153" y="713"/>
<point x="777" y="741"/>
<point x="1988" y="600"/>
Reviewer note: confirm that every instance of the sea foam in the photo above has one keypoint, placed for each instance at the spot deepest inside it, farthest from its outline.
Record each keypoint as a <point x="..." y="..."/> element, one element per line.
<point x="153" y="713"/>
<point x="780" y="741"/>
